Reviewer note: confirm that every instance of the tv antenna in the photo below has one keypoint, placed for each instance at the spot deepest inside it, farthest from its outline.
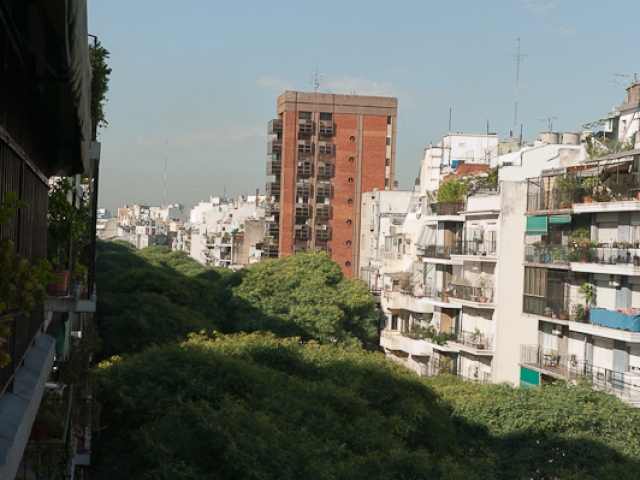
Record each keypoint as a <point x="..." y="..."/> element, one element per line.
<point x="549" y="121"/>
<point x="316" y="79"/>
<point x="517" y="58"/>
<point x="620" y="79"/>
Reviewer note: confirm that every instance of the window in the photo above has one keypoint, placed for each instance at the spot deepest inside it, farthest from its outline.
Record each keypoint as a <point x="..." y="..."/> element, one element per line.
<point x="351" y="159"/>
<point x="352" y="138"/>
<point x="394" y="322"/>
<point x="349" y="222"/>
<point x="326" y="116"/>
<point x="387" y="162"/>
<point x="388" y="141"/>
<point x="349" y="241"/>
<point x="347" y="263"/>
<point x="350" y="201"/>
<point x="304" y="115"/>
<point x="386" y="182"/>
<point x="388" y="120"/>
<point x="350" y="180"/>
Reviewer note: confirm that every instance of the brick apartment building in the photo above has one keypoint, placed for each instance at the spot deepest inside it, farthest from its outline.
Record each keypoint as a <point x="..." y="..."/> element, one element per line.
<point x="326" y="150"/>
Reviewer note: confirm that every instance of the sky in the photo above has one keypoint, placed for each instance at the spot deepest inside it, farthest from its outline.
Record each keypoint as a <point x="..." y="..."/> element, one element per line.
<point x="202" y="77"/>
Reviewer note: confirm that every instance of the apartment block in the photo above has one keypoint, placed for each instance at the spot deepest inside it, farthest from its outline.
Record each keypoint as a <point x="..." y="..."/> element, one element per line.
<point x="324" y="151"/>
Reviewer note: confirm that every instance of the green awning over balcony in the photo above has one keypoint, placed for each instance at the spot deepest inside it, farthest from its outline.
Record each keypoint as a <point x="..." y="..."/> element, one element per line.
<point x="529" y="378"/>
<point x="537" y="225"/>
<point x="559" y="219"/>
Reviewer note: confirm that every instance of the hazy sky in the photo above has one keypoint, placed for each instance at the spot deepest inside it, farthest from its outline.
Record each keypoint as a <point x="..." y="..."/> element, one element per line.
<point x="206" y="74"/>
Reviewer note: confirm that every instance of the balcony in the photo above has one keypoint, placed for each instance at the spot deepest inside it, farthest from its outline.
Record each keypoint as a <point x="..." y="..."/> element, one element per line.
<point x="622" y="254"/>
<point x="439" y="251"/>
<point x="325" y="148"/>
<point x="326" y="127"/>
<point x="270" y="250"/>
<point x="323" y="232"/>
<point x="325" y="170"/>
<point x="302" y="232"/>
<point x="304" y="189"/>
<point x="274" y="147"/>
<point x="305" y="169"/>
<point x="305" y="126"/>
<point x="323" y="211"/>
<point x="273" y="230"/>
<point x="472" y="293"/>
<point x="476" y="248"/>
<point x="323" y="190"/>
<point x="549" y="362"/>
<point x="274" y="126"/>
<point x="273" y="189"/>
<point x="557" y="255"/>
<point x="303" y="210"/>
<point x="477" y="340"/>
<point x="305" y="146"/>
<point x="274" y="167"/>
<point x="449" y="208"/>
<point x="272" y="209"/>
<point x="628" y="320"/>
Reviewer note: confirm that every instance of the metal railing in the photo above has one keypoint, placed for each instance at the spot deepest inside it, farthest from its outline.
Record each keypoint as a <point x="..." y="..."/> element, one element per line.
<point x="449" y="208"/>
<point x="553" y="199"/>
<point x="476" y="247"/>
<point x="473" y="293"/>
<point x="547" y="254"/>
<point x="607" y="255"/>
<point x="477" y="340"/>
<point x="439" y="251"/>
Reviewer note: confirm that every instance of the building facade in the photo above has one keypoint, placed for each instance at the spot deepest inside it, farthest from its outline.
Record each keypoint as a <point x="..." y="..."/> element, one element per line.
<point x="324" y="152"/>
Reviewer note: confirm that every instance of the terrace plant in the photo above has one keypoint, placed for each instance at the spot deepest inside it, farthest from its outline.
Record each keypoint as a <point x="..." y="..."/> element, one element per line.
<point x="452" y="190"/>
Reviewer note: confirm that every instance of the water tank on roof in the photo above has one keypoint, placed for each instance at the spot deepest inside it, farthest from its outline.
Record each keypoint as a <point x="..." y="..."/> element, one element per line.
<point x="570" y="138"/>
<point x="552" y="138"/>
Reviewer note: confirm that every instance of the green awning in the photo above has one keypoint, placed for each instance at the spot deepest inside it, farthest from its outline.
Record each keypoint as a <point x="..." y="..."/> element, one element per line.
<point x="529" y="378"/>
<point x="537" y="225"/>
<point x="559" y="219"/>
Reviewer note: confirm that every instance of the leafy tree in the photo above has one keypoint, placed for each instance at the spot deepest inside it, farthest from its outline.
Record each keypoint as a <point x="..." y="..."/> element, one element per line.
<point x="100" y="73"/>
<point x="305" y="295"/>
<point x="452" y="190"/>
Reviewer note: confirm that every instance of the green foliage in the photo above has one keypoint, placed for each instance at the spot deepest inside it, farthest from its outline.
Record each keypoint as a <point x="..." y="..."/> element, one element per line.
<point x="22" y="284"/>
<point x="153" y="296"/>
<point x="452" y="190"/>
<point x="606" y="146"/>
<point x="255" y="406"/>
<point x="305" y="295"/>
<point x="100" y="72"/>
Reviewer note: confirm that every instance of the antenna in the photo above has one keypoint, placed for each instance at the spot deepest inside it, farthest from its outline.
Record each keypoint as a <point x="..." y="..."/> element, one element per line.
<point x="166" y="143"/>
<point x="620" y="79"/>
<point x="549" y="121"/>
<point x="316" y="79"/>
<point x="517" y="58"/>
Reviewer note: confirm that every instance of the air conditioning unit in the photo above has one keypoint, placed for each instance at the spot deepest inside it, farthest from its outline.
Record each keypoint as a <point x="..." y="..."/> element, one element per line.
<point x="615" y="280"/>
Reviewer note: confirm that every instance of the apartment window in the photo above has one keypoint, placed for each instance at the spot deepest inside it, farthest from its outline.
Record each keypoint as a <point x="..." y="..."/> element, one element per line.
<point x="349" y="222"/>
<point x="350" y="180"/>
<point x="351" y="159"/>
<point x="388" y="120"/>
<point x="386" y="182"/>
<point x="326" y="116"/>
<point x="544" y="289"/>
<point x="349" y="241"/>
<point x="388" y="141"/>
<point x="350" y="201"/>
<point x="387" y="162"/>
<point x="304" y="115"/>
<point x="347" y="263"/>
<point x="352" y="138"/>
<point x="394" y="322"/>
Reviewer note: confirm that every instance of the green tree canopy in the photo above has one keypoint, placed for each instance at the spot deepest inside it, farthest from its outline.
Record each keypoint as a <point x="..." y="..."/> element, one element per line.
<point x="305" y="295"/>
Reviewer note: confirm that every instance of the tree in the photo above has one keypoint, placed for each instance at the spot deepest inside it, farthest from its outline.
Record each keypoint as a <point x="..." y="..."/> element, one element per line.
<point x="452" y="190"/>
<point x="100" y="73"/>
<point x="304" y="295"/>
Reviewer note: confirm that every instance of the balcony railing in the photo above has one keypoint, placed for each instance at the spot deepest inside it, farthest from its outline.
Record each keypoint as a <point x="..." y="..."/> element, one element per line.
<point x="323" y="211"/>
<point x="628" y="320"/>
<point x="305" y="169"/>
<point x="623" y="255"/>
<point x="325" y="170"/>
<point x="274" y="147"/>
<point x="470" y="292"/>
<point x="274" y="168"/>
<point x="273" y="230"/>
<point x="303" y="210"/>
<point x="302" y="232"/>
<point x="273" y="189"/>
<point x="323" y="232"/>
<point x="476" y="340"/>
<point x="438" y="251"/>
<point x="272" y="209"/>
<point x="274" y="126"/>
<point x="305" y="147"/>
<point x="270" y="250"/>
<point x="573" y="366"/>
<point x="547" y="254"/>
<point x="323" y="190"/>
<point x="326" y="127"/>
<point x="325" y="149"/>
<point x="304" y="189"/>
<point x="305" y="126"/>
<point x="473" y="247"/>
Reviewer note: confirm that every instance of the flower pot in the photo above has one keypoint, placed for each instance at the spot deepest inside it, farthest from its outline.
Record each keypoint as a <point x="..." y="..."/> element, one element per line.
<point x="482" y="299"/>
<point x="563" y="316"/>
<point x="61" y="287"/>
<point x="588" y="199"/>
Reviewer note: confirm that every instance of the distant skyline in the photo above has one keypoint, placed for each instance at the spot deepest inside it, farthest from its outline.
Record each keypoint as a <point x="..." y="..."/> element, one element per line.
<point x="206" y="75"/>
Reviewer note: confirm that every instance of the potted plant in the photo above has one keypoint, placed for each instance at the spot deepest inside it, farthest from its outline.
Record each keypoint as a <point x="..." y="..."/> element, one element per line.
<point x="563" y="315"/>
<point x="485" y="285"/>
<point x="588" y="291"/>
<point x="579" y="313"/>
<point x="548" y="312"/>
<point x="580" y="236"/>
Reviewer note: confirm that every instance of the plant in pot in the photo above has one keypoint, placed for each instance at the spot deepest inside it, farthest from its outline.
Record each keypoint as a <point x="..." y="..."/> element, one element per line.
<point x="580" y="236"/>
<point x="563" y="315"/>
<point x="485" y="286"/>
<point x="588" y="291"/>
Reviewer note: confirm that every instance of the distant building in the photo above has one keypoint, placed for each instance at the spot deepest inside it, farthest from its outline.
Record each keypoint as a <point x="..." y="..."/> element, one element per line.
<point x="325" y="151"/>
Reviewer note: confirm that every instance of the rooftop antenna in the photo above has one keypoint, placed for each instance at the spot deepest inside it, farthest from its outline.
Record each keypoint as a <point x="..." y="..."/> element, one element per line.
<point x="621" y="80"/>
<point x="549" y="121"/>
<point x="517" y="58"/>
<point x="316" y="79"/>
<point x="166" y="143"/>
